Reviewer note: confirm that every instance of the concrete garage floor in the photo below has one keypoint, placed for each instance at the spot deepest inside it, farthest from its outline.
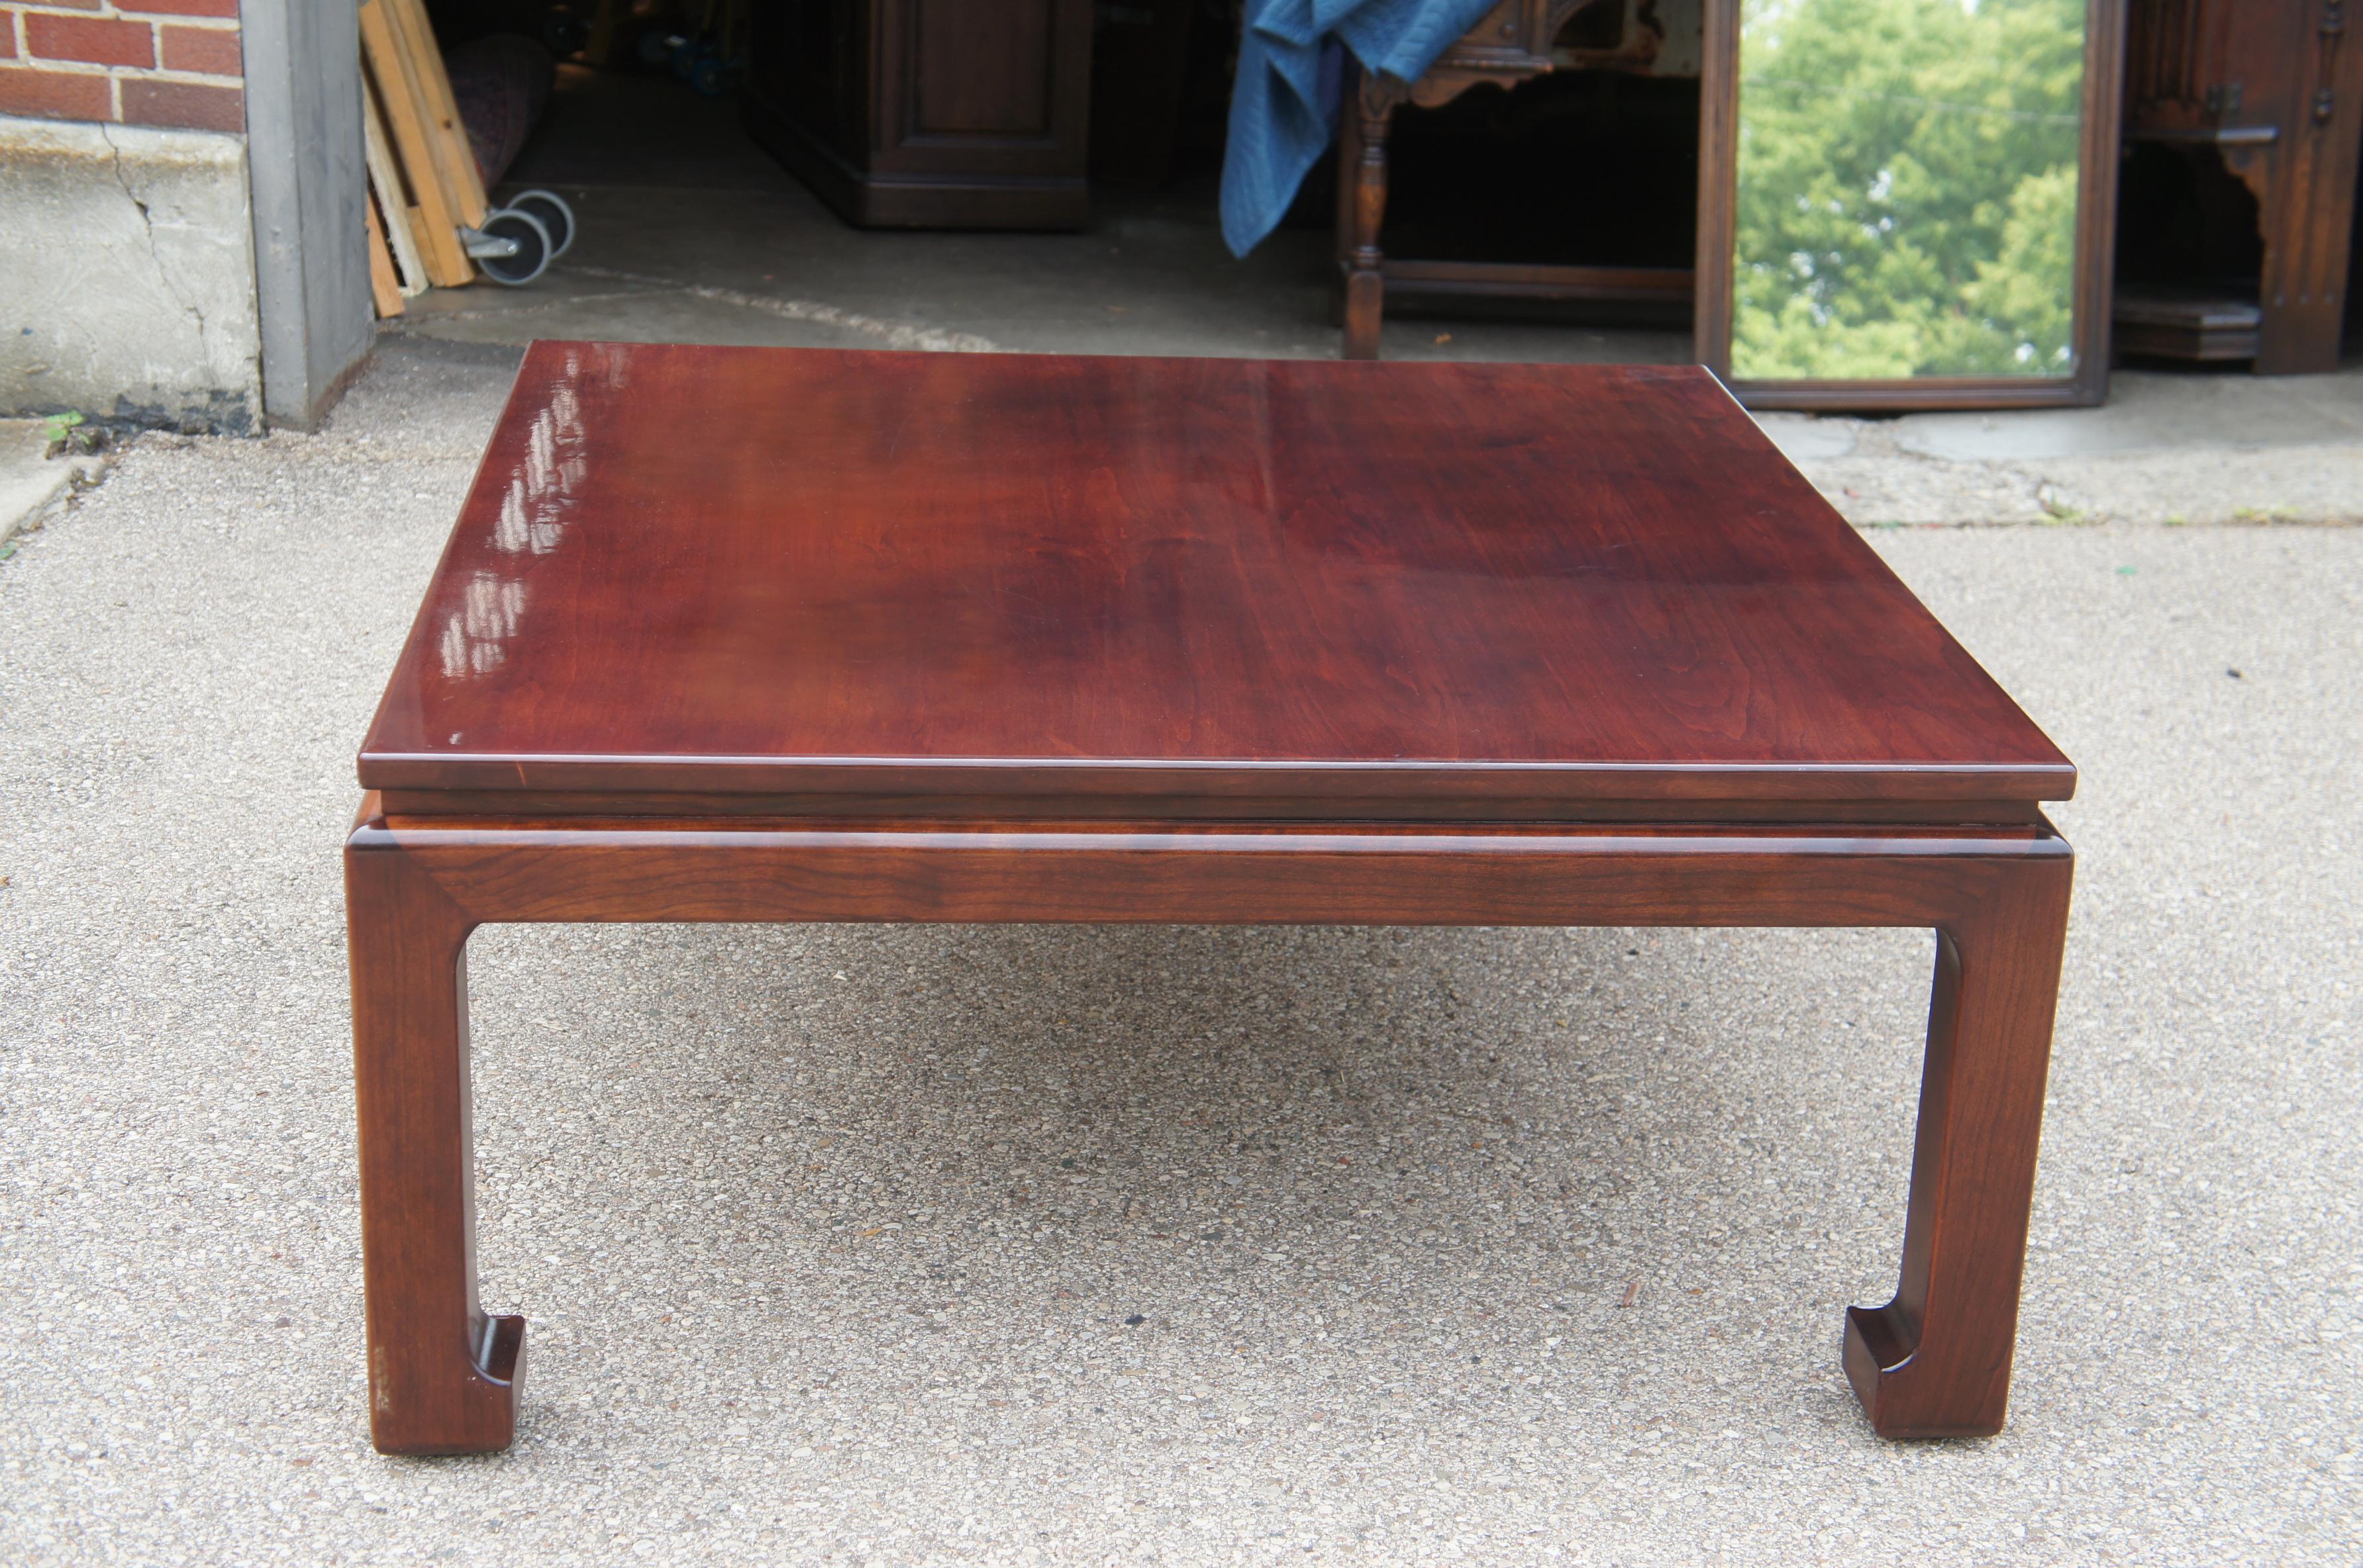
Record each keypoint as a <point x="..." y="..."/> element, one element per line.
<point x="692" y="232"/>
<point x="907" y="1245"/>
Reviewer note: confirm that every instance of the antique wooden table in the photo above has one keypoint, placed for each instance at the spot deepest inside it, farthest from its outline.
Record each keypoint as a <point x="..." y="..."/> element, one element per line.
<point x="748" y="634"/>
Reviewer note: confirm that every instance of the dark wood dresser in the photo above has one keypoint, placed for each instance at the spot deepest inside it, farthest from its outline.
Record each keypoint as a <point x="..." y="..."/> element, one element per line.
<point x="928" y="114"/>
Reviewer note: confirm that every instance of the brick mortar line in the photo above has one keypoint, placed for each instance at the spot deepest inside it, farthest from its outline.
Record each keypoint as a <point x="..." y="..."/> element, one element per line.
<point x="195" y="23"/>
<point x="155" y="25"/>
<point x="31" y="8"/>
<point x="121" y="72"/>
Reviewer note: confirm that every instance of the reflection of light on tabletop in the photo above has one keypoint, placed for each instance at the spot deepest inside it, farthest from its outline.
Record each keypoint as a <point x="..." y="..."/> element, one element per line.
<point x="487" y="616"/>
<point x="534" y="514"/>
<point x="542" y="489"/>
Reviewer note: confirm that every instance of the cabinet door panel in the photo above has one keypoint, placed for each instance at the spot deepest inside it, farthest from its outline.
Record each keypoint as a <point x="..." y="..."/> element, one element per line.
<point x="912" y="114"/>
<point x="980" y="71"/>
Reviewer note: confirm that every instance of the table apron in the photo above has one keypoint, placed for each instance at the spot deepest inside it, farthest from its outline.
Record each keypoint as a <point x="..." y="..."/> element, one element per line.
<point x="1348" y="878"/>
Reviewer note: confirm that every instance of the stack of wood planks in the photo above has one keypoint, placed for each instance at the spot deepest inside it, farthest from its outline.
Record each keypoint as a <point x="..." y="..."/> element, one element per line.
<point x="423" y="184"/>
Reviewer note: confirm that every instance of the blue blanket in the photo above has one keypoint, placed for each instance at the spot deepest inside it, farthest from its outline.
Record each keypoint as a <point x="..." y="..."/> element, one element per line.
<point x="1284" y="102"/>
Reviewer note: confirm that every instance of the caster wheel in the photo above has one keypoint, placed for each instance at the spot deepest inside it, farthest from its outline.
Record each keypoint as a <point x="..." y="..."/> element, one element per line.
<point x="554" y="215"/>
<point x="514" y="249"/>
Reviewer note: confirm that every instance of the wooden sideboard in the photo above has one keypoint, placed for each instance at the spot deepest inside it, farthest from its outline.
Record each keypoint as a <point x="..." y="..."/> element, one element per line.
<point x="1514" y="43"/>
<point x="2270" y="94"/>
<point x="928" y="114"/>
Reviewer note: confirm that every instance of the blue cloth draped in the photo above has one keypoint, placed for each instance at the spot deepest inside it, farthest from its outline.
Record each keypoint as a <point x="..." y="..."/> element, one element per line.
<point x="1285" y="101"/>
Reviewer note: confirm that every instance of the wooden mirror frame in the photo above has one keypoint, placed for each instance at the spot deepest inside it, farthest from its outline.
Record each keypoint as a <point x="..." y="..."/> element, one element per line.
<point x="2096" y="216"/>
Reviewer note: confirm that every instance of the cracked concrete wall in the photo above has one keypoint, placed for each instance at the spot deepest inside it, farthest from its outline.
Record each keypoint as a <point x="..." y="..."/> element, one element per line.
<point x="126" y="276"/>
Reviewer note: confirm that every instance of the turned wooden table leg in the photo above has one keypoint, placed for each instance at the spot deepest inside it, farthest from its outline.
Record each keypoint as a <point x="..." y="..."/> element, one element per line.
<point x="1936" y="1361"/>
<point x="1364" y="177"/>
<point x="443" y="1377"/>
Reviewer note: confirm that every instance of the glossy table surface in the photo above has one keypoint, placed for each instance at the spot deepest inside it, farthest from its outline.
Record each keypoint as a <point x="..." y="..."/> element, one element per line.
<point x="848" y="575"/>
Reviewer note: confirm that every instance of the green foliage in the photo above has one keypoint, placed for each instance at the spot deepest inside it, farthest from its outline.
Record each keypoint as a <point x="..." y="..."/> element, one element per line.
<point x="65" y="433"/>
<point x="1907" y="188"/>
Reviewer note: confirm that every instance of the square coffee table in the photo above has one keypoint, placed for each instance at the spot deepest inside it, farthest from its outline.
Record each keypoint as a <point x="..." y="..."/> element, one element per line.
<point x="759" y="635"/>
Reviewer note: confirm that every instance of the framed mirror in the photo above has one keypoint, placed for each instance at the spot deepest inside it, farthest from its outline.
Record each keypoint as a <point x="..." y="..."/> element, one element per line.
<point x="1908" y="204"/>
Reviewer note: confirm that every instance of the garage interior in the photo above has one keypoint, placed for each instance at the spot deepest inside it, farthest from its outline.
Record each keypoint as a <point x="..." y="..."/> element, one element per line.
<point x="744" y="173"/>
<point x="692" y="229"/>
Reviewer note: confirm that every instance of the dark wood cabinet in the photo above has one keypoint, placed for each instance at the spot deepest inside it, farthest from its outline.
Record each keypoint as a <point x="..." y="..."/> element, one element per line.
<point x="2243" y="121"/>
<point x="928" y="114"/>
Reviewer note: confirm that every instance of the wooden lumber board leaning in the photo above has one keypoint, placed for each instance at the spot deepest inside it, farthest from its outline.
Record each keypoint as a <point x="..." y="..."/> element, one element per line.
<point x="386" y="289"/>
<point x="607" y="23"/>
<point x="394" y="74"/>
<point x="401" y="218"/>
<point x="456" y="157"/>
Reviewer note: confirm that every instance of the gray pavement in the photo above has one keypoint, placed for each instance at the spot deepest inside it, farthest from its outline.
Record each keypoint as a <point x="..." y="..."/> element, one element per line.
<point x="32" y="480"/>
<point x="1160" y="1245"/>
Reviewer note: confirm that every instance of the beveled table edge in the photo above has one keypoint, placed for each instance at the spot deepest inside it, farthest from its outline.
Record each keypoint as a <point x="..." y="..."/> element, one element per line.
<point x="1339" y="784"/>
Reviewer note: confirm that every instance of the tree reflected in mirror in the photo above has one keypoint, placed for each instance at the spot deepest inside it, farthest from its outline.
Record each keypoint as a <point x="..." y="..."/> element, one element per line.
<point x="1907" y="188"/>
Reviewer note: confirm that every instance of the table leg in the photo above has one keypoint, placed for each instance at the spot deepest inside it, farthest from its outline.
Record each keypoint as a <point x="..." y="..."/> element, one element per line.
<point x="1936" y="1361"/>
<point x="1367" y="110"/>
<point x="443" y="1375"/>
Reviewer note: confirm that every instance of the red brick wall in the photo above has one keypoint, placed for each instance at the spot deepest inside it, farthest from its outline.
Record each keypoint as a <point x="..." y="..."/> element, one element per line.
<point x="135" y="63"/>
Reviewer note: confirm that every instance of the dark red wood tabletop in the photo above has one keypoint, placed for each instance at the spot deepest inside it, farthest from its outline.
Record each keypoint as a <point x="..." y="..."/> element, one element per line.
<point x="804" y="572"/>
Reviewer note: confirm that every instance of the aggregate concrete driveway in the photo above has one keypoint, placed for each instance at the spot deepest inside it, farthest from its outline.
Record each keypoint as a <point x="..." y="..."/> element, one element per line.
<point x="1148" y="1245"/>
